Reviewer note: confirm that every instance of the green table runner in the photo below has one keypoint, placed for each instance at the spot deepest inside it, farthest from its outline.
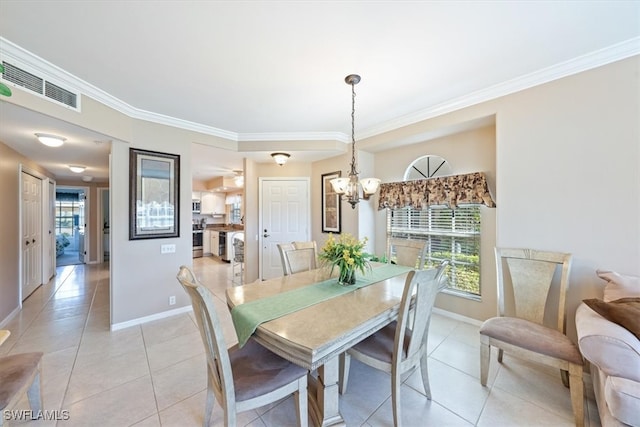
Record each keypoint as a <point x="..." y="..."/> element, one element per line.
<point x="248" y="316"/>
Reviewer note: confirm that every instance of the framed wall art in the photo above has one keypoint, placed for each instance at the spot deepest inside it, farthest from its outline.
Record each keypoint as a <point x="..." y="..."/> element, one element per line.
<point x="154" y="194"/>
<point x="331" y="206"/>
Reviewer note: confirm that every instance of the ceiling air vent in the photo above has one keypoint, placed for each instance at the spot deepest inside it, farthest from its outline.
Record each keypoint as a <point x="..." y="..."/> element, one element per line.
<point x="61" y="95"/>
<point x="39" y="85"/>
<point x="22" y="78"/>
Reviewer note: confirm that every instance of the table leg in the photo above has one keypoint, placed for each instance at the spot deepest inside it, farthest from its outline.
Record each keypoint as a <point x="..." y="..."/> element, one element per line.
<point x="323" y="395"/>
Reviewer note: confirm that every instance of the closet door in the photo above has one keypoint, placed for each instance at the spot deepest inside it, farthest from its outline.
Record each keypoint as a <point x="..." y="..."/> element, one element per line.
<point x="31" y="234"/>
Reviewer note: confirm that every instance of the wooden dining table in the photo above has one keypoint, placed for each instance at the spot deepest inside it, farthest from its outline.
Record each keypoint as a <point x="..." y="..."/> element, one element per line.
<point x="314" y="336"/>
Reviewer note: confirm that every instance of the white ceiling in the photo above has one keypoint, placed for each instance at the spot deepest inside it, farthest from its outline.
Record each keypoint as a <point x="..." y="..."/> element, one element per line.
<point x="273" y="70"/>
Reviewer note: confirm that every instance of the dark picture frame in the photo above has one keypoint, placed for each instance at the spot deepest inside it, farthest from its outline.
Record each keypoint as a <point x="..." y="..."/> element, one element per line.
<point x="331" y="205"/>
<point x="154" y="195"/>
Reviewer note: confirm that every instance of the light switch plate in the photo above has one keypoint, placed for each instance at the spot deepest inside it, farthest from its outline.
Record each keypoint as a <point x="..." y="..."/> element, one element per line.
<point x="168" y="249"/>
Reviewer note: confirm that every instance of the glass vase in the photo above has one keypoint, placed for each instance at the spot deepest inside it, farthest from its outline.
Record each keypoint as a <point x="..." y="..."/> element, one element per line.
<point x="347" y="275"/>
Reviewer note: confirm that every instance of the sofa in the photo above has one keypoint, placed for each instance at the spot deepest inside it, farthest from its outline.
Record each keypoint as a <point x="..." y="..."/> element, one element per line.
<point x="609" y="339"/>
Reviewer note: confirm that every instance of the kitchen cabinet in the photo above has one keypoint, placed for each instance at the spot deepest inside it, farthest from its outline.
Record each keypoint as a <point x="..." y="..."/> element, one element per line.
<point x="212" y="203"/>
<point x="206" y="243"/>
<point x="215" y="243"/>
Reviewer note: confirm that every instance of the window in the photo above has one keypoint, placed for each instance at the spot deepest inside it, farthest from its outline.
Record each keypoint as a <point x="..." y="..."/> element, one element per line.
<point x="452" y="234"/>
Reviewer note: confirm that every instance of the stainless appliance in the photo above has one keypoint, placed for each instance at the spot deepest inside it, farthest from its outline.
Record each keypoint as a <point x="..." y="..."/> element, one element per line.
<point x="197" y="241"/>
<point x="224" y="248"/>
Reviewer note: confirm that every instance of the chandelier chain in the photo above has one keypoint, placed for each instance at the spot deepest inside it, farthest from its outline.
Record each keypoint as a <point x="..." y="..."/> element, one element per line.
<point x="353" y="131"/>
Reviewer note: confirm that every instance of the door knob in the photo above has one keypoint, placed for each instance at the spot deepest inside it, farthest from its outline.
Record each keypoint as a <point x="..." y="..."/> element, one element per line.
<point x="265" y="235"/>
<point x="27" y="243"/>
<point x="33" y="241"/>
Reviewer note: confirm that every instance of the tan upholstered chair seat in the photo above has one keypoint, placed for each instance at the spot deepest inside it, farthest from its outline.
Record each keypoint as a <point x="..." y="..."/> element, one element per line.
<point x="16" y="374"/>
<point x="378" y="344"/>
<point x="532" y="336"/>
<point x="258" y="371"/>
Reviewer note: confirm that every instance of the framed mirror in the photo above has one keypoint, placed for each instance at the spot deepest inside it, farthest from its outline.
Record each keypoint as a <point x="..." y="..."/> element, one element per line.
<point x="154" y="194"/>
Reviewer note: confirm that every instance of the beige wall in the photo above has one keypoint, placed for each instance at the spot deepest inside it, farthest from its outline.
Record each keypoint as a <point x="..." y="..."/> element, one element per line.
<point x="469" y="151"/>
<point x="567" y="163"/>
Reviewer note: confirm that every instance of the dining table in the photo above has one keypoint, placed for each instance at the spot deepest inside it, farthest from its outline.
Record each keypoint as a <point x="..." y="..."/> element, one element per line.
<point x="310" y="319"/>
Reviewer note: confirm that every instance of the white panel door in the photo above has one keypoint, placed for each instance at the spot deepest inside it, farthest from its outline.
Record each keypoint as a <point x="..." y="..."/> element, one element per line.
<point x="285" y="218"/>
<point x="31" y="234"/>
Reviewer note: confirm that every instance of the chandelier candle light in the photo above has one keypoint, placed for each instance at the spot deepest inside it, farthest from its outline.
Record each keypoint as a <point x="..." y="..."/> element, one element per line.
<point x="351" y="187"/>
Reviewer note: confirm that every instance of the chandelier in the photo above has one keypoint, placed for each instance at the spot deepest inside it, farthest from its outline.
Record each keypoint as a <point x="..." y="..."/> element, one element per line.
<point x="351" y="188"/>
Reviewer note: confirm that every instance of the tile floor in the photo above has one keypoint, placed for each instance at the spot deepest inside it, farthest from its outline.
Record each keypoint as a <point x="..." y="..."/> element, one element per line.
<point x="154" y="374"/>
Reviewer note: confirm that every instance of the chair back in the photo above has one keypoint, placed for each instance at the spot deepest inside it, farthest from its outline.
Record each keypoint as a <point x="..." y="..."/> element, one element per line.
<point x="311" y="244"/>
<point x="218" y="363"/>
<point x="282" y="248"/>
<point x="298" y="260"/>
<point x="421" y="287"/>
<point x="525" y="277"/>
<point x="238" y="249"/>
<point x="410" y="253"/>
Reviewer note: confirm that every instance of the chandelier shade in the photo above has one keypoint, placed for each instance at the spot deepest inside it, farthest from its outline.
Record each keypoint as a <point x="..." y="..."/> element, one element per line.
<point x="352" y="187"/>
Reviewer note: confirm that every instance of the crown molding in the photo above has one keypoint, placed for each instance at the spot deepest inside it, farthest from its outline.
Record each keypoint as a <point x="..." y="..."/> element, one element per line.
<point x="12" y="52"/>
<point x="591" y="60"/>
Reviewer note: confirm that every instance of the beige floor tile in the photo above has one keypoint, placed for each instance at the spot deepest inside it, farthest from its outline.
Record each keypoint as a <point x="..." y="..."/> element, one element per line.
<point x="505" y="409"/>
<point x="180" y="381"/>
<point x="100" y="374"/>
<point x="455" y="390"/>
<point x="534" y="384"/>
<point x="174" y="350"/>
<point x="416" y="411"/>
<point x="124" y="405"/>
<point x="165" y="329"/>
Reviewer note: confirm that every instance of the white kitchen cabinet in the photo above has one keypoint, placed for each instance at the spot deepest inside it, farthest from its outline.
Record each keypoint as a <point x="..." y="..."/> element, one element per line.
<point x="215" y="243"/>
<point x="212" y="203"/>
<point x="206" y="243"/>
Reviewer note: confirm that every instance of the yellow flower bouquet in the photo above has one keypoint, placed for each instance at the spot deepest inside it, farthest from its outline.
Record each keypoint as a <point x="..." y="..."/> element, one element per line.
<point x="347" y="254"/>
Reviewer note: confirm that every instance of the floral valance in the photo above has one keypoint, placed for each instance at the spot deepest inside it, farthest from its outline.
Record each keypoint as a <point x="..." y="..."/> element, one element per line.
<point x="451" y="191"/>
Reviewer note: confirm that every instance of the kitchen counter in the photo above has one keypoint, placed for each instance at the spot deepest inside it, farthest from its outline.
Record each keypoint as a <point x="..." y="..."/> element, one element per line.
<point x="217" y="227"/>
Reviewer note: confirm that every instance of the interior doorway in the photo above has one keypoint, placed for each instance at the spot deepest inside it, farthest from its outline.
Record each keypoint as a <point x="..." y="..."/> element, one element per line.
<point x="284" y="218"/>
<point x="71" y="216"/>
<point x="104" y="221"/>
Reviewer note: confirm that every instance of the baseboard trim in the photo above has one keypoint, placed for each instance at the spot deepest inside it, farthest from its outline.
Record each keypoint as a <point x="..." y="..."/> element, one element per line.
<point x="456" y="316"/>
<point x="10" y="317"/>
<point x="146" y="319"/>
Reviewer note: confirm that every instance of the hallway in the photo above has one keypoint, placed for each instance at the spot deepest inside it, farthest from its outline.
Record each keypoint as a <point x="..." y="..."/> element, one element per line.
<point x="155" y="375"/>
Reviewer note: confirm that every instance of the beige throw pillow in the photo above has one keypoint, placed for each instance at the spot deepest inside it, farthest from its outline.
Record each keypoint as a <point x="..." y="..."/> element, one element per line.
<point x="619" y="285"/>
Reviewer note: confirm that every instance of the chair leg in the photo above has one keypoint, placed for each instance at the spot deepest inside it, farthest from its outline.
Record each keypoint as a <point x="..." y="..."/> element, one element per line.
<point x="343" y="371"/>
<point x="208" y="410"/>
<point x="565" y="378"/>
<point x="485" y="355"/>
<point x="424" y="370"/>
<point x="301" y="403"/>
<point x="396" y="384"/>
<point x="34" y="393"/>
<point x="576" y="387"/>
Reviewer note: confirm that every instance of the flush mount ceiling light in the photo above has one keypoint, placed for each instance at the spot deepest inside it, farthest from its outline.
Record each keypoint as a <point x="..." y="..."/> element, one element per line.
<point x="280" y="158"/>
<point x="77" y="169"/>
<point x="50" y="140"/>
<point x="351" y="187"/>
<point x="87" y="178"/>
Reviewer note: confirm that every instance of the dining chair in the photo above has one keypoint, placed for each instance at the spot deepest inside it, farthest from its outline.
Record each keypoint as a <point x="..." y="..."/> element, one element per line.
<point x="410" y="253"/>
<point x="19" y="374"/>
<point x="531" y="284"/>
<point x="310" y="244"/>
<point x="401" y="346"/>
<point x="282" y="247"/>
<point x="298" y="260"/>
<point x="245" y="378"/>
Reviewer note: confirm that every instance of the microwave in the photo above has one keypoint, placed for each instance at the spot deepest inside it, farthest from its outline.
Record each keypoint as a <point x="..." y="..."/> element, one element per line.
<point x="195" y="206"/>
